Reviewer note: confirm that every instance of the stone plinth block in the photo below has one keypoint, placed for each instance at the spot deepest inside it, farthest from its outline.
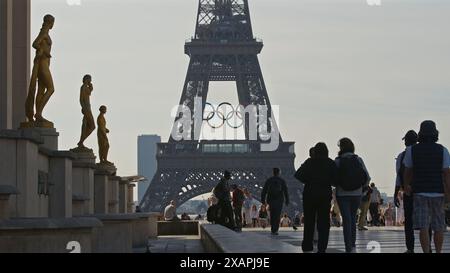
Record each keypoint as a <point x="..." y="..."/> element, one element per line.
<point x="113" y="194"/>
<point x="78" y="202"/>
<point x="130" y="206"/>
<point x="101" y="180"/>
<point x="110" y="169"/>
<point x="144" y="228"/>
<point x="24" y="167"/>
<point x="45" y="235"/>
<point x="116" y="235"/>
<point x="49" y="136"/>
<point x="83" y="179"/>
<point x="123" y="196"/>
<point x="60" y="176"/>
<point x="5" y="192"/>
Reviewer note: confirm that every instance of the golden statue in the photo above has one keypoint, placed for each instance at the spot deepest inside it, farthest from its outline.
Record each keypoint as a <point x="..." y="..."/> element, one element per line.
<point x="102" y="136"/>
<point x="88" y="120"/>
<point x="41" y="76"/>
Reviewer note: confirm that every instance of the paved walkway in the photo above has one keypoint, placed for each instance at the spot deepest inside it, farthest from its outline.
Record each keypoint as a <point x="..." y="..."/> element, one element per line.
<point x="389" y="239"/>
<point x="384" y="240"/>
<point x="176" y="244"/>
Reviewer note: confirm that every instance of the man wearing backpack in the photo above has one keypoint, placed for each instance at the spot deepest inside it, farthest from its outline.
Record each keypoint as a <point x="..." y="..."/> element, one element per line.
<point x="410" y="140"/>
<point x="353" y="178"/>
<point x="275" y="193"/>
<point x="238" y="198"/>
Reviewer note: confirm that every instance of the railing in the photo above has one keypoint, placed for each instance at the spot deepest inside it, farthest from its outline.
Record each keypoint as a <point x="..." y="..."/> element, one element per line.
<point x="215" y="147"/>
<point x="223" y="41"/>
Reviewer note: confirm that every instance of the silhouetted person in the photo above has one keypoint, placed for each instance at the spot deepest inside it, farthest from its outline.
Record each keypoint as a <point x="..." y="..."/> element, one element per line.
<point x="185" y="217"/>
<point x="138" y="209"/>
<point x="222" y="193"/>
<point x="364" y="208"/>
<point x="374" y="207"/>
<point x="238" y="198"/>
<point x="318" y="174"/>
<point x="427" y="176"/>
<point x="352" y="179"/>
<point x="410" y="140"/>
<point x="275" y="193"/>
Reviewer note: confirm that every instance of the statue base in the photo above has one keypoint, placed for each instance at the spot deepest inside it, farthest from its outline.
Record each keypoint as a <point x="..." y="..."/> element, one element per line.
<point x="84" y="155"/>
<point x="49" y="136"/>
<point x="106" y="167"/>
<point x="37" y="124"/>
<point x="83" y="168"/>
<point x="82" y="150"/>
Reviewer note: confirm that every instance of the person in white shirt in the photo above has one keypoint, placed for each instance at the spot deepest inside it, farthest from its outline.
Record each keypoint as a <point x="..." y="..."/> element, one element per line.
<point x="170" y="212"/>
<point x="247" y="207"/>
<point x="254" y="216"/>
<point x="427" y="177"/>
<point x="285" y="221"/>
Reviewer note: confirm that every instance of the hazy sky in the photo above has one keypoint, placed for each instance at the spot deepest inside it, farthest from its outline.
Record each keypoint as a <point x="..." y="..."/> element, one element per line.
<point x="335" y="67"/>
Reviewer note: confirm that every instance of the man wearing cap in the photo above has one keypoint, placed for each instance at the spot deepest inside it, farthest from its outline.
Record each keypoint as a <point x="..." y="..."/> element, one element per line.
<point x="410" y="140"/>
<point x="427" y="177"/>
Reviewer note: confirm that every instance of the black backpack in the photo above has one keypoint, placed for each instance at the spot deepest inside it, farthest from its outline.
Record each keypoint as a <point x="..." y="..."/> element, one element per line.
<point x="351" y="175"/>
<point x="276" y="189"/>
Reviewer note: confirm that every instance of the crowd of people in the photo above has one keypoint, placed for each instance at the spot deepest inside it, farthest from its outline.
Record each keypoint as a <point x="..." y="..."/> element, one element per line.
<point x="423" y="182"/>
<point x="339" y="193"/>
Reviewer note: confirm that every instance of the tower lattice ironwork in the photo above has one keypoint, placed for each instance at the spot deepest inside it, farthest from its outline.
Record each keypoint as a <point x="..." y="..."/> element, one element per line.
<point x="222" y="49"/>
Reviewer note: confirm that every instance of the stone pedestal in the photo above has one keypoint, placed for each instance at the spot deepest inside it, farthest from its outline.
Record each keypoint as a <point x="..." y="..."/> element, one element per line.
<point x="101" y="192"/>
<point x="83" y="181"/>
<point x="48" y="235"/>
<point x="102" y="184"/>
<point x="113" y="194"/>
<point x="60" y="177"/>
<point x="130" y="189"/>
<point x="78" y="205"/>
<point x="5" y="192"/>
<point x="116" y="235"/>
<point x="25" y="168"/>
<point x="49" y="136"/>
<point x="123" y="196"/>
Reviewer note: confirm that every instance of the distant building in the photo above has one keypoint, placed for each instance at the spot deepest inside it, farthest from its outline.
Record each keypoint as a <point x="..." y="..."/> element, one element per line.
<point x="147" y="148"/>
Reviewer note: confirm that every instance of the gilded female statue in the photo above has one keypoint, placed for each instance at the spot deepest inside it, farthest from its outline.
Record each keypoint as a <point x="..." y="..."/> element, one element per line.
<point x="41" y="76"/>
<point x="102" y="137"/>
<point x="88" y="120"/>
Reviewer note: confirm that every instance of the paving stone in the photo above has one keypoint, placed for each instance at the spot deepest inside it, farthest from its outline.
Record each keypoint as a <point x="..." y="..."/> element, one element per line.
<point x="391" y="239"/>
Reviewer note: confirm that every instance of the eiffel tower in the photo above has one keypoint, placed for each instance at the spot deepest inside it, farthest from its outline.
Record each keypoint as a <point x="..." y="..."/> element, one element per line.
<point x="222" y="49"/>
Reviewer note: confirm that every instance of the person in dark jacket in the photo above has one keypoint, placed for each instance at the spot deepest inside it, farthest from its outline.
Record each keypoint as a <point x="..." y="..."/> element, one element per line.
<point x="427" y="177"/>
<point x="410" y="140"/>
<point x="222" y="193"/>
<point x="275" y="193"/>
<point x="318" y="174"/>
